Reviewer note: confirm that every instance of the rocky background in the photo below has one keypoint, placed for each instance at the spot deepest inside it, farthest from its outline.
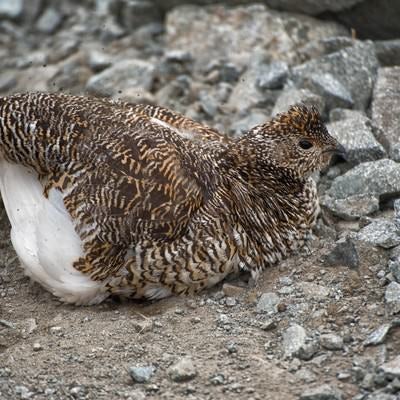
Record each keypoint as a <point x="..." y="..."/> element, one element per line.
<point x="317" y="327"/>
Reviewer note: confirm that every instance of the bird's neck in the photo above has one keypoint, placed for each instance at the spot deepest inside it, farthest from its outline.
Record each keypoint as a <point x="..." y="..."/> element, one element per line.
<point x="263" y="172"/>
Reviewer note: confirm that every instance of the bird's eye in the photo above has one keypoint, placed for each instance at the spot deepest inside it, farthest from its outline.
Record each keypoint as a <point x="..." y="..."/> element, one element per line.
<point x="305" y="144"/>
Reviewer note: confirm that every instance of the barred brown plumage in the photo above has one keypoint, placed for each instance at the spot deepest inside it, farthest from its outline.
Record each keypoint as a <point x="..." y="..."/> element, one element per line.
<point x="106" y="197"/>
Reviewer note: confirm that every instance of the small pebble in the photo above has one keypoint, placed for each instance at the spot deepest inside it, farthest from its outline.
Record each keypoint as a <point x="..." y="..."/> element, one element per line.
<point x="183" y="370"/>
<point x="230" y="301"/>
<point x="37" y="347"/>
<point x="331" y="341"/>
<point x="141" y="374"/>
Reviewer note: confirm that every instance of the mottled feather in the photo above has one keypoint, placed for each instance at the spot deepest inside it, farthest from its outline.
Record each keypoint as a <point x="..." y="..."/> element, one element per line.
<point x="160" y="203"/>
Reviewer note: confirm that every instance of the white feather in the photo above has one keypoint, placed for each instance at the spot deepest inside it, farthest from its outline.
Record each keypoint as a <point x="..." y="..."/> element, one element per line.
<point x="44" y="237"/>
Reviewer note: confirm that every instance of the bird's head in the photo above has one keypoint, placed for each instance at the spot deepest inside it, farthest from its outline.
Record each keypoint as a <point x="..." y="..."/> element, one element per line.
<point x="296" y="140"/>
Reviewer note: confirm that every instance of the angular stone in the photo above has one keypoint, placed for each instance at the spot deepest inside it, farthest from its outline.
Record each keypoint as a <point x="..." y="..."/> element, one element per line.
<point x="372" y="19"/>
<point x="394" y="268"/>
<point x="268" y="303"/>
<point x="344" y="253"/>
<point x="252" y="119"/>
<point x="183" y="370"/>
<point x="49" y="21"/>
<point x="313" y="290"/>
<point x="344" y="66"/>
<point x="392" y="368"/>
<point x="136" y="74"/>
<point x="352" y="207"/>
<point x="321" y="47"/>
<point x="8" y="80"/>
<point x="323" y="392"/>
<point x="394" y="152"/>
<point x="385" y="105"/>
<point x="273" y="76"/>
<point x="327" y="86"/>
<point x="294" y="338"/>
<point x="99" y="60"/>
<point x="356" y="135"/>
<point x="378" y="335"/>
<point x="245" y="94"/>
<point x="238" y="33"/>
<point x="331" y="341"/>
<point x="135" y="13"/>
<point x="312" y="7"/>
<point x="141" y="374"/>
<point x="379" y="178"/>
<point x="380" y="232"/>
<point x="388" y="52"/>
<point x="291" y="96"/>
<point x="11" y="8"/>
<point x="392" y="297"/>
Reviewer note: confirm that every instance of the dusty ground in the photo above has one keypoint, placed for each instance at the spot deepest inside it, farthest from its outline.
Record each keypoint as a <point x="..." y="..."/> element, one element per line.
<point x="50" y="350"/>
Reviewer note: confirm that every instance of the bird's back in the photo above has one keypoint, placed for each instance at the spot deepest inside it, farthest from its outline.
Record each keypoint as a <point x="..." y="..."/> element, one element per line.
<point x="95" y="175"/>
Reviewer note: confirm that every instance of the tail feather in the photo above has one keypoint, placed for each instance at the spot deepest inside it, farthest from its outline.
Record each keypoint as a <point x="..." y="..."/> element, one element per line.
<point x="44" y="237"/>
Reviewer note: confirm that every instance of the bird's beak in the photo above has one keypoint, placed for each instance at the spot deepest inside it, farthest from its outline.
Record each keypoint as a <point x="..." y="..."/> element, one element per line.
<point x="337" y="149"/>
<point x="340" y="151"/>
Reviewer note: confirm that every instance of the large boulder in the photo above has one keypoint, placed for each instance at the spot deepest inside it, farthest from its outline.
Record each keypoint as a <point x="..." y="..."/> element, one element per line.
<point x="386" y="105"/>
<point x="237" y="34"/>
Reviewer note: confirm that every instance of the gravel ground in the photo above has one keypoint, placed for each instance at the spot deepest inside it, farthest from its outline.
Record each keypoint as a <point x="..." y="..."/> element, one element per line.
<point x="319" y="326"/>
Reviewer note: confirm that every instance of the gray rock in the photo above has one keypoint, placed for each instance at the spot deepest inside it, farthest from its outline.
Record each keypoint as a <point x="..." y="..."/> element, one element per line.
<point x="344" y="66"/>
<point x="37" y="346"/>
<point x="385" y="105"/>
<point x="291" y="96"/>
<point x="379" y="178"/>
<point x="296" y="343"/>
<point x="135" y="13"/>
<point x="380" y="396"/>
<point x="23" y="392"/>
<point x="208" y="103"/>
<point x="183" y="370"/>
<point x="98" y="60"/>
<point x="344" y="253"/>
<point x="331" y="341"/>
<point x="338" y="114"/>
<point x="246" y="95"/>
<point x="356" y="135"/>
<point x="352" y="207"/>
<point x="252" y="119"/>
<point x="273" y="76"/>
<point x="394" y="268"/>
<point x="380" y="232"/>
<point x="307" y="351"/>
<point x="8" y="80"/>
<point x="372" y="19"/>
<point x="11" y="9"/>
<point x="394" y="152"/>
<point x="268" y="303"/>
<point x="323" y="392"/>
<point x="312" y="7"/>
<point x="392" y="368"/>
<point x="388" y="52"/>
<point x="313" y="290"/>
<point x="136" y="74"/>
<point x="327" y="86"/>
<point x="378" y="335"/>
<point x="321" y="47"/>
<point x="49" y="21"/>
<point x="111" y="30"/>
<point x="392" y="297"/>
<point x="230" y="301"/>
<point x="236" y="34"/>
<point x="141" y="374"/>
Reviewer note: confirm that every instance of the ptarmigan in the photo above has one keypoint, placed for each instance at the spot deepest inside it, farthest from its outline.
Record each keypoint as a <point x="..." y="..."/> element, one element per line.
<point x="107" y="198"/>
